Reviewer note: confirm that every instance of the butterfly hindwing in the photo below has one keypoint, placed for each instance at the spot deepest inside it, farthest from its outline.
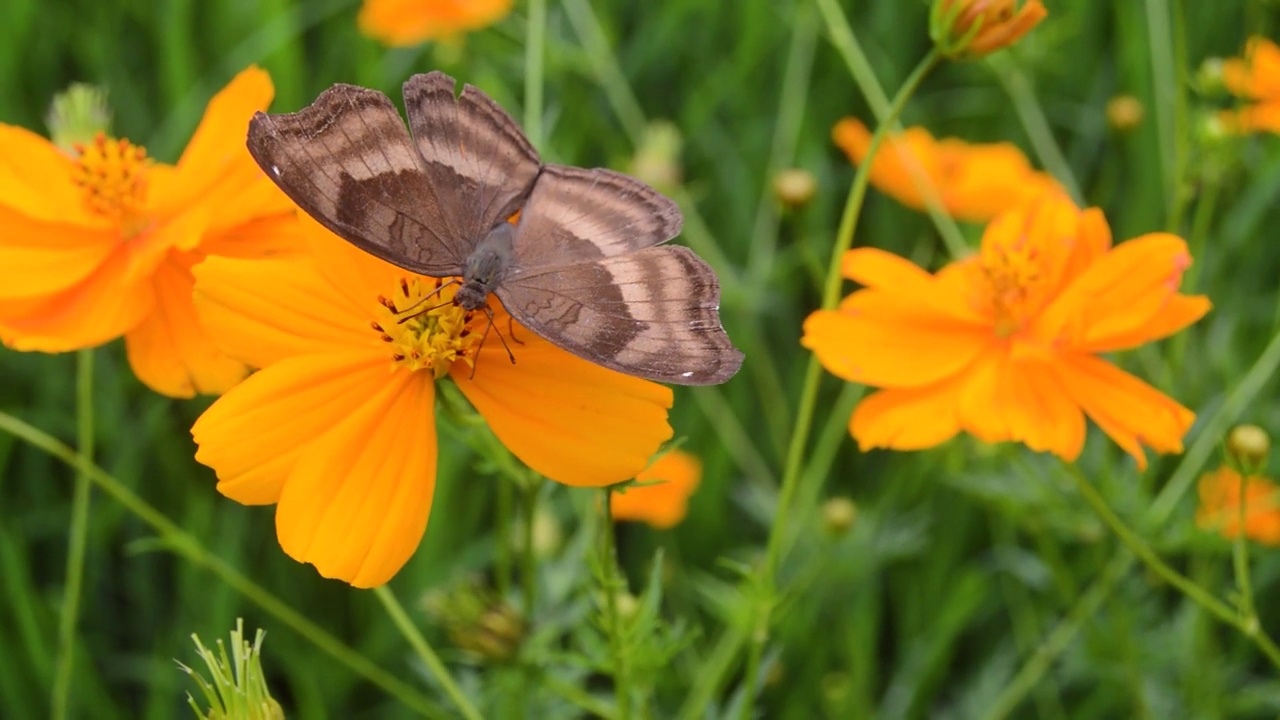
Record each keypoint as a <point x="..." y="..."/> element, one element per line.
<point x="653" y="313"/>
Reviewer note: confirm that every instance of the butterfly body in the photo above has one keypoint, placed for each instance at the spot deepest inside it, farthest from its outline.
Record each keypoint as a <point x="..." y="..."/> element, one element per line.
<point x="585" y="267"/>
<point x="485" y="268"/>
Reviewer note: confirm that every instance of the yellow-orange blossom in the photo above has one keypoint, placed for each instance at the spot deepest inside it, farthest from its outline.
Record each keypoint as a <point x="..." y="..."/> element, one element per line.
<point x="101" y="244"/>
<point x="1004" y="344"/>
<point x="338" y="427"/>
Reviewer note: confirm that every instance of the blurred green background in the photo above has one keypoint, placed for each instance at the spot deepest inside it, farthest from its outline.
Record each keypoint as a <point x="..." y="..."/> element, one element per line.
<point x="961" y="560"/>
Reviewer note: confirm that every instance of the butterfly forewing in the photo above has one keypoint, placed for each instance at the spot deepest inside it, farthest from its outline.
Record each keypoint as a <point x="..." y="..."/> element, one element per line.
<point x="347" y="160"/>
<point x="576" y="214"/>
<point x="653" y="313"/>
<point x="476" y="157"/>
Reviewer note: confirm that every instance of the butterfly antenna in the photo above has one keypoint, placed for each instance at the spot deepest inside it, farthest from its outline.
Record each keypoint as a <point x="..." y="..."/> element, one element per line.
<point x="511" y="330"/>
<point x="413" y="313"/>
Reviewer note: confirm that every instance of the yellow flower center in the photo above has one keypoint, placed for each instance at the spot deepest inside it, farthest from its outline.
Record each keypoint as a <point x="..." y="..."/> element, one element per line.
<point x="113" y="175"/>
<point x="425" y="329"/>
<point x="1012" y="272"/>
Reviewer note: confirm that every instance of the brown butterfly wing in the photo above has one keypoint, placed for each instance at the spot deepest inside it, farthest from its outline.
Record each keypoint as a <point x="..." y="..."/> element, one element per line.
<point x="591" y="276"/>
<point x="575" y="214"/>
<point x="479" y="162"/>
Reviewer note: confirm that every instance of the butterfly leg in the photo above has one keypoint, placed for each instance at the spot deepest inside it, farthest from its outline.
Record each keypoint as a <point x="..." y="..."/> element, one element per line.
<point x="511" y="330"/>
<point x="488" y="311"/>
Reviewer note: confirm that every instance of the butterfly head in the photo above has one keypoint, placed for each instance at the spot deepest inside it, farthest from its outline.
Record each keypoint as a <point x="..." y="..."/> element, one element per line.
<point x="485" y="267"/>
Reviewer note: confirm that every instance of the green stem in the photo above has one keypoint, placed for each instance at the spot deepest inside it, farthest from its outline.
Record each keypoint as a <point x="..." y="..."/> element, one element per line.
<point x="534" y="50"/>
<point x="1035" y="123"/>
<point x="1248" y="625"/>
<point x="188" y="546"/>
<point x="612" y="585"/>
<point x="425" y="653"/>
<point x="1028" y="678"/>
<point x="813" y="375"/>
<point x="528" y="555"/>
<point x="1240" y="554"/>
<point x="502" y="558"/>
<point x="1164" y="78"/>
<point x="77" y="540"/>
<point x="846" y="43"/>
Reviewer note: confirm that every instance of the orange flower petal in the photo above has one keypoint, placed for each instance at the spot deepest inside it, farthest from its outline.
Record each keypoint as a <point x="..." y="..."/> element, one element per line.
<point x="900" y="160"/>
<point x="39" y="257"/>
<point x="216" y="166"/>
<point x="571" y="420"/>
<point x="1220" y="506"/>
<point x="664" y="505"/>
<point x="264" y="236"/>
<point x="1004" y="399"/>
<point x="1178" y="312"/>
<point x="262" y="311"/>
<point x="170" y="351"/>
<point x="409" y="22"/>
<point x="908" y="418"/>
<point x="253" y="435"/>
<point x="99" y="309"/>
<point x="1131" y="412"/>
<point x="35" y="180"/>
<point x="1120" y="293"/>
<point x="880" y="270"/>
<point x="878" y="340"/>
<point x="357" y="501"/>
<point x="1257" y="75"/>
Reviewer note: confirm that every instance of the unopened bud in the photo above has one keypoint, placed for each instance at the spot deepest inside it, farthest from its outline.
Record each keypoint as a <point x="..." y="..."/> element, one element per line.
<point x="794" y="187"/>
<point x="657" y="160"/>
<point x="1248" y="446"/>
<point x="838" y="515"/>
<point x="1209" y="77"/>
<point x="966" y="29"/>
<point x="77" y="115"/>
<point x="1124" y="113"/>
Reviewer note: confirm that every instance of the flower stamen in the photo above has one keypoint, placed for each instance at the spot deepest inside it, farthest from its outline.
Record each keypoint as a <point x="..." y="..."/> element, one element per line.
<point x="113" y="175"/>
<point x="431" y="338"/>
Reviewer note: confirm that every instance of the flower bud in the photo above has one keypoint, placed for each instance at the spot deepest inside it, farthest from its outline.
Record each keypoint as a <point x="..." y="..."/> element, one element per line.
<point x="238" y="690"/>
<point x="1248" y="446"/>
<point x="1209" y="78"/>
<point x="794" y="187"/>
<point x="1124" y="113"/>
<point x="838" y="515"/>
<point x="657" y="159"/>
<point x="77" y="115"/>
<point x="966" y="29"/>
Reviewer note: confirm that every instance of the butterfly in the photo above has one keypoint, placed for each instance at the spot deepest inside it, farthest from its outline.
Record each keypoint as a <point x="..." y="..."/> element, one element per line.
<point x="585" y="266"/>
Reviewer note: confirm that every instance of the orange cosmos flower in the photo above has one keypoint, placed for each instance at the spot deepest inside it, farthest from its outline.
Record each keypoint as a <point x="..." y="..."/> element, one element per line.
<point x="408" y="22"/>
<point x="101" y="243"/>
<point x="975" y="182"/>
<point x="973" y="28"/>
<point x="663" y="505"/>
<point x="337" y="428"/>
<point x="1255" y="77"/>
<point x="1220" y="506"/>
<point x="1004" y="344"/>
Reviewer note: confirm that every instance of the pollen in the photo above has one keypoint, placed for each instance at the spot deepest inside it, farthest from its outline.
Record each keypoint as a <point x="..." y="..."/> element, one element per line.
<point x="1012" y="281"/>
<point x="112" y="173"/>
<point x="423" y="328"/>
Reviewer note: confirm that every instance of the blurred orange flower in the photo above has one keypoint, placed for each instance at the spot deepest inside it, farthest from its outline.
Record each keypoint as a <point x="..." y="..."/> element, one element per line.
<point x="1220" y="506"/>
<point x="338" y="428"/>
<point x="974" y="182"/>
<point x="973" y="28"/>
<point x="663" y="505"/>
<point x="1255" y="77"/>
<point x="409" y="22"/>
<point x="1004" y="344"/>
<point x="101" y="243"/>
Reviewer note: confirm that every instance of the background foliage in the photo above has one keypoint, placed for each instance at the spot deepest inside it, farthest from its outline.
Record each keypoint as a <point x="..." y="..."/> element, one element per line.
<point x="961" y="561"/>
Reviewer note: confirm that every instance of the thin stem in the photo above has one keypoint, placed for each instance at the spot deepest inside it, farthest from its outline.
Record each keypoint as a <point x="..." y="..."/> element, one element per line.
<point x="188" y="546"/>
<point x="813" y="375"/>
<point x="425" y="653"/>
<point x="1264" y="368"/>
<point x="1240" y="554"/>
<point x="1057" y="640"/>
<point x="77" y="540"/>
<point x="1035" y="123"/>
<point x="502" y="558"/>
<point x="534" y="50"/>
<point x="1248" y="625"/>
<point x="529" y="558"/>
<point x="864" y="77"/>
<point x="1164" y="77"/>
<point x="612" y="584"/>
